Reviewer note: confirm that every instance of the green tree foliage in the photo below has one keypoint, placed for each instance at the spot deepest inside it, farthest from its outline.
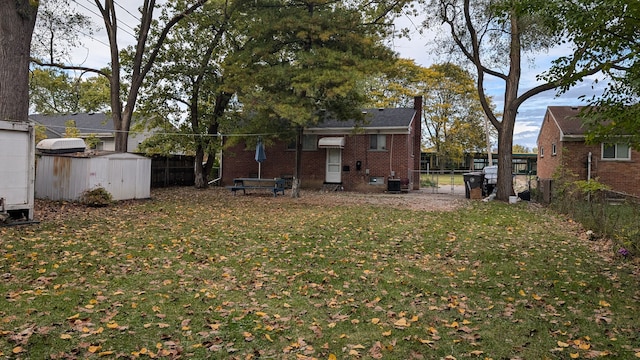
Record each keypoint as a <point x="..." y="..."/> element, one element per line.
<point x="59" y="29"/>
<point x="453" y="117"/>
<point x="521" y="149"/>
<point x="41" y="132"/>
<point x="495" y="37"/>
<point x="605" y="32"/>
<point x="140" y="62"/>
<point x="70" y="129"/>
<point x="398" y="84"/>
<point x="184" y="93"/>
<point x="303" y="59"/>
<point x="452" y="114"/>
<point x="52" y="91"/>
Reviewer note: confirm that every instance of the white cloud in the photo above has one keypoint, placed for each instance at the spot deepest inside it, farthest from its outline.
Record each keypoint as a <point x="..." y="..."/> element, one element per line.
<point x="532" y="111"/>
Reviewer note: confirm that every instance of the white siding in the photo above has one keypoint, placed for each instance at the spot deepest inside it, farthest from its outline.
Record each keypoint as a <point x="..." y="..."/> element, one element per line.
<point x="124" y="176"/>
<point x="17" y="166"/>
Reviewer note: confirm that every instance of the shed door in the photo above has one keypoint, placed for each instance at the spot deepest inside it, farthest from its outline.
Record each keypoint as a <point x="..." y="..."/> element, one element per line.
<point x="122" y="175"/>
<point x="334" y="165"/>
<point x="14" y="173"/>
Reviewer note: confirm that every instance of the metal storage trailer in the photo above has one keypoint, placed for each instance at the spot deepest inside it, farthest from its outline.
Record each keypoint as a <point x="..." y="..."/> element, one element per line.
<point x="17" y="170"/>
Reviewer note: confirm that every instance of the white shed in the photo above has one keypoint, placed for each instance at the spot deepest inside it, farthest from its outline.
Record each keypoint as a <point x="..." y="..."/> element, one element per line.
<point x="16" y="169"/>
<point x="66" y="176"/>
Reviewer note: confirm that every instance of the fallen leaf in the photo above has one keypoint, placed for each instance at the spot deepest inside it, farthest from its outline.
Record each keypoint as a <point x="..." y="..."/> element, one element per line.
<point x="584" y="346"/>
<point x="376" y="350"/>
<point x="604" y="303"/>
<point x="401" y="323"/>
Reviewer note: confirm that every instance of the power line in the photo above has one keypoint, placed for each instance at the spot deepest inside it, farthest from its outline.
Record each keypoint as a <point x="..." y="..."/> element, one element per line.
<point x="100" y="16"/>
<point x="94" y="38"/>
<point x="125" y="10"/>
<point x="120" y="21"/>
<point x="103" y="131"/>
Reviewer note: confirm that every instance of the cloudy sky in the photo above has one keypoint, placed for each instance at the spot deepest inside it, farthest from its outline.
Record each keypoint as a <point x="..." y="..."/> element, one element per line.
<point x="95" y="53"/>
<point x="419" y="48"/>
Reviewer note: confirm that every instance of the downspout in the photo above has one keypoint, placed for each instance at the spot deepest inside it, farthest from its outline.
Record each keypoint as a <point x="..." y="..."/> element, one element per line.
<point x="589" y="167"/>
<point x="391" y="172"/>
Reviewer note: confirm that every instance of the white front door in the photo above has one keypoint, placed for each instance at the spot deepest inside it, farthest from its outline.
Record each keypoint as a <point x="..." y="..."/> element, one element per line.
<point x="334" y="165"/>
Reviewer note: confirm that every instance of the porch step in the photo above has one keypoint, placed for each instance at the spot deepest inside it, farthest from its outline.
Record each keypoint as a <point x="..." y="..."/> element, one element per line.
<point x="332" y="187"/>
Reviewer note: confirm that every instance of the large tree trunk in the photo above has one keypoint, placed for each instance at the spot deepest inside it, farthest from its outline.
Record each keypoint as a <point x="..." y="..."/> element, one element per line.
<point x="201" y="178"/>
<point x="504" y="185"/>
<point x="295" y="185"/>
<point x="17" y="20"/>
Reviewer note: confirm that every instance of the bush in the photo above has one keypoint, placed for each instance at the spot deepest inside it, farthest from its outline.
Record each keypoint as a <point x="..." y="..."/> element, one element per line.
<point x="97" y="197"/>
<point x="588" y="203"/>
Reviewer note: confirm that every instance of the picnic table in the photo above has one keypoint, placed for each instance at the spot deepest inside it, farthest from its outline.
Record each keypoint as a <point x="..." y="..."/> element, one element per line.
<point x="244" y="184"/>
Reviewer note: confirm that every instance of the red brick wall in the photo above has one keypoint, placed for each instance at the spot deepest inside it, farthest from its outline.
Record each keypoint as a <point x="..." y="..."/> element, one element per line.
<point x="402" y="157"/>
<point x="239" y="161"/>
<point x="622" y="176"/>
<point x="549" y="135"/>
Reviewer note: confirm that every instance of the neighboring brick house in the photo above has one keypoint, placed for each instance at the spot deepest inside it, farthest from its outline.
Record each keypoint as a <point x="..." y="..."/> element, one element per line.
<point x="561" y="142"/>
<point x="361" y="158"/>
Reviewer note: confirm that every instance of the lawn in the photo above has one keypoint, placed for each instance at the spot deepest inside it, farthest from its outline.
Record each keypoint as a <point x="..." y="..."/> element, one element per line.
<point x="203" y="274"/>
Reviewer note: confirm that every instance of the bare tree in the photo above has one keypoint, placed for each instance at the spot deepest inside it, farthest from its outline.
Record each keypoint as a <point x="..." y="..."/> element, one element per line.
<point x="494" y="36"/>
<point x="144" y="56"/>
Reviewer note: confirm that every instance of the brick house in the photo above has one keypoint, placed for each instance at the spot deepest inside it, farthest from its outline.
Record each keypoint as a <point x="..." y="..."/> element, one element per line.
<point x="355" y="158"/>
<point x="561" y="142"/>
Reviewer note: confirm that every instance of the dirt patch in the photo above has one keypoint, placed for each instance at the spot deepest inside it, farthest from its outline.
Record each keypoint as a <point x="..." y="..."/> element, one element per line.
<point x="423" y="200"/>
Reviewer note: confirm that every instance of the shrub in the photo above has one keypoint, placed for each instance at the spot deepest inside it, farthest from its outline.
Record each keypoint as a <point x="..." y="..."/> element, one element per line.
<point x="97" y="197"/>
<point x="587" y="202"/>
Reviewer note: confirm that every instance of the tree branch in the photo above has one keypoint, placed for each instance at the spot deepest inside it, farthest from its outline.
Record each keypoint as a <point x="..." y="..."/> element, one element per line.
<point x="70" y="67"/>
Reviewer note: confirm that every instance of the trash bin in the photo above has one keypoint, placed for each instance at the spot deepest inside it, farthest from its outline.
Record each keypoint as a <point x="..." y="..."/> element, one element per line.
<point x="473" y="181"/>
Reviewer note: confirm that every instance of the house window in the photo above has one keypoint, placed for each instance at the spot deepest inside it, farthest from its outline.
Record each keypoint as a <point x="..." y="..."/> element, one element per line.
<point x="616" y="152"/>
<point x="377" y="142"/>
<point x="541" y="152"/>
<point x="553" y="150"/>
<point x="309" y="143"/>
